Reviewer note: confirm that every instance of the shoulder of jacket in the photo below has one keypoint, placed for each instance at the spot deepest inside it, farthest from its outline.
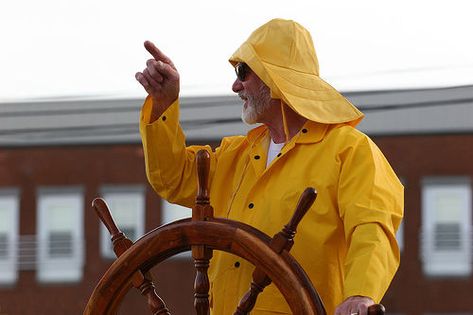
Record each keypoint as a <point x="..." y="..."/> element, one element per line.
<point x="347" y="131"/>
<point x="232" y="142"/>
<point x="347" y="136"/>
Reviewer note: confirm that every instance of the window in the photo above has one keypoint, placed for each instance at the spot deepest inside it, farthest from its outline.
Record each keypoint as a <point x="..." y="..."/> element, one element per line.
<point x="400" y="230"/>
<point x="8" y="236"/>
<point x="446" y="226"/>
<point x="127" y="205"/>
<point x="400" y="236"/>
<point x="60" y="235"/>
<point x="172" y="212"/>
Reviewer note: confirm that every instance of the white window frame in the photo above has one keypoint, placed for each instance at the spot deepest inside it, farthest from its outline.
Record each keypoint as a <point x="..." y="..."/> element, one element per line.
<point x="171" y="212"/>
<point x="400" y="236"/>
<point x="445" y="262"/>
<point x="113" y="194"/>
<point x="60" y="269"/>
<point x="9" y="201"/>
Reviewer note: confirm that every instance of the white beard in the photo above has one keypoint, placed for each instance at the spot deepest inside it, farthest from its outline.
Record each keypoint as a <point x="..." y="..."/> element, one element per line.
<point x="257" y="105"/>
<point x="249" y="115"/>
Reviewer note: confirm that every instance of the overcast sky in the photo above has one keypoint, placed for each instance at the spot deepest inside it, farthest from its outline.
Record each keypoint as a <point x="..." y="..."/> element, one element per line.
<point x="92" y="48"/>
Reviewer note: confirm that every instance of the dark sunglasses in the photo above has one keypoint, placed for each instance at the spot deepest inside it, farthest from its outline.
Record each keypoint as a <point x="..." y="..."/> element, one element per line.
<point x="242" y="70"/>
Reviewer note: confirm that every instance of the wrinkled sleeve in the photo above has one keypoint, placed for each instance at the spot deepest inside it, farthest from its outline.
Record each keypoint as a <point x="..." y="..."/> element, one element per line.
<point x="170" y="165"/>
<point x="371" y="206"/>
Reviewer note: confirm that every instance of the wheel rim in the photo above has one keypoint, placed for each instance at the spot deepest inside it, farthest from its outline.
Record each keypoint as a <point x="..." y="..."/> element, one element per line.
<point x="233" y="237"/>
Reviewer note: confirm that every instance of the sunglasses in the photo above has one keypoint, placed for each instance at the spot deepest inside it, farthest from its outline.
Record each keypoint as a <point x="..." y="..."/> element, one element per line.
<point x="242" y="70"/>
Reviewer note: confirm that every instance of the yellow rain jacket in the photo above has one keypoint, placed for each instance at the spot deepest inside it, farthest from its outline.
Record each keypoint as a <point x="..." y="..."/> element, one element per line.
<point x="346" y="242"/>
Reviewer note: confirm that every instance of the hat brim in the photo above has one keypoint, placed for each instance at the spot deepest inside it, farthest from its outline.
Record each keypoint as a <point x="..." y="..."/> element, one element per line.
<point x="306" y="93"/>
<point x="312" y="97"/>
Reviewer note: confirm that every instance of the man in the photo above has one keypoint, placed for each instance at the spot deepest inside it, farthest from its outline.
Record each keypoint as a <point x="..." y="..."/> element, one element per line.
<point x="346" y="242"/>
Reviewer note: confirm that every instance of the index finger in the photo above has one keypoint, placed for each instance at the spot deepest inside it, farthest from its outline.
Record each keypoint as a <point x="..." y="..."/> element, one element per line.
<point x="156" y="53"/>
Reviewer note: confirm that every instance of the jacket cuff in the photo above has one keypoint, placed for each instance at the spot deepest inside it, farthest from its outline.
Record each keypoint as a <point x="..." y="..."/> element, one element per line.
<point x="145" y="116"/>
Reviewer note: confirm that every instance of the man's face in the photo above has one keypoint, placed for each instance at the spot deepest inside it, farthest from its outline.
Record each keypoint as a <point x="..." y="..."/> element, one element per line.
<point x="255" y="94"/>
<point x="257" y="102"/>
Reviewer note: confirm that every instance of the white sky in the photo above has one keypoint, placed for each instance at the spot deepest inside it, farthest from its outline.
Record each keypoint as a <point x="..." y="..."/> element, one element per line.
<point x="92" y="48"/>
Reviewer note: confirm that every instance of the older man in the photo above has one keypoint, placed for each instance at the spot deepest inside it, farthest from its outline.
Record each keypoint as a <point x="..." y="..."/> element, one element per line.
<point x="346" y="242"/>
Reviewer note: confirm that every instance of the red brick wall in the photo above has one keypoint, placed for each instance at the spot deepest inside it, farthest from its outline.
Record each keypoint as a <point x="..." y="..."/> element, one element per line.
<point x="412" y="157"/>
<point x="89" y="167"/>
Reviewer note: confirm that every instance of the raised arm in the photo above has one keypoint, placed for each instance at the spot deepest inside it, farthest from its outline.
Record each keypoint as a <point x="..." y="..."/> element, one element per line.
<point x="169" y="163"/>
<point x="160" y="79"/>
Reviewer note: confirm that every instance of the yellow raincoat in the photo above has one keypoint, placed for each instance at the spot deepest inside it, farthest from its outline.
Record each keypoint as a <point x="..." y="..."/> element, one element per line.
<point x="346" y="242"/>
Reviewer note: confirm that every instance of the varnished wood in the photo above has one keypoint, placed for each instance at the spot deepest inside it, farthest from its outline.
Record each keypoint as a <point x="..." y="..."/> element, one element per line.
<point x="305" y="202"/>
<point x="143" y="282"/>
<point x="284" y="240"/>
<point x="203" y="170"/>
<point x="247" y="303"/>
<point x="270" y="256"/>
<point x="202" y="209"/>
<point x="119" y="241"/>
<point x="233" y="237"/>
<point x="201" y="282"/>
<point x="200" y="253"/>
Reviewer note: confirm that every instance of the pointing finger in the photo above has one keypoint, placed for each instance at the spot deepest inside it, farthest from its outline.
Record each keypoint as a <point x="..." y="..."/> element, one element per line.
<point x="157" y="54"/>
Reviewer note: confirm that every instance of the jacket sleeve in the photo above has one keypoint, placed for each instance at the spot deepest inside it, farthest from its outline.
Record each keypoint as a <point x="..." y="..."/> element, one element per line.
<point x="371" y="206"/>
<point x="170" y="165"/>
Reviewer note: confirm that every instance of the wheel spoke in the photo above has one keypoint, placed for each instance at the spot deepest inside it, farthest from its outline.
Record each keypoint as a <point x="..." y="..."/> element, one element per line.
<point x="270" y="256"/>
<point x="202" y="256"/>
<point x="283" y="240"/>
<point x="142" y="282"/>
<point x="202" y="211"/>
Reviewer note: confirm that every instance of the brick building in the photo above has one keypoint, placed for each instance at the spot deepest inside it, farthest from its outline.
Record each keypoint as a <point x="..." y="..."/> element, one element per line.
<point x="57" y="155"/>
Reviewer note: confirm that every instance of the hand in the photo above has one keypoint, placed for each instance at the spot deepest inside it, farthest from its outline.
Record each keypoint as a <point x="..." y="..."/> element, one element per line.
<point x="354" y="305"/>
<point x="160" y="79"/>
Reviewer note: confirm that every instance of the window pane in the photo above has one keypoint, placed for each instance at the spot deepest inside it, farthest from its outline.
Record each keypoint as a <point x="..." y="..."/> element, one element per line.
<point x="60" y="235"/>
<point x="9" y="213"/>
<point x="447" y="236"/>
<point x="5" y="216"/>
<point x="3" y="246"/>
<point x="448" y="205"/>
<point x="400" y="236"/>
<point x="60" y="216"/>
<point x="127" y="205"/>
<point x="60" y="244"/>
<point x="172" y="212"/>
<point x="446" y="229"/>
<point x="124" y="209"/>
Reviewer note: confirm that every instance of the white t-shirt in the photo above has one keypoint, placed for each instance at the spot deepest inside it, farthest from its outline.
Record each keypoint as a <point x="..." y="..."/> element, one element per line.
<point x="274" y="149"/>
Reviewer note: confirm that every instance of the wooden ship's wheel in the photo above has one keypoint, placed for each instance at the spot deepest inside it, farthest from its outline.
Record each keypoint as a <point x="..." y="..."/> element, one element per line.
<point x="202" y="234"/>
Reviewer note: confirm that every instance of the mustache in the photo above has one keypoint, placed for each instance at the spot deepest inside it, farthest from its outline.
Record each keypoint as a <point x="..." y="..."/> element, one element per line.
<point x="242" y="95"/>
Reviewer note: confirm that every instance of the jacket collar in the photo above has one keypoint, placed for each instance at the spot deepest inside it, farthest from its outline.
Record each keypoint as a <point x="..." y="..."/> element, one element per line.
<point x="311" y="132"/>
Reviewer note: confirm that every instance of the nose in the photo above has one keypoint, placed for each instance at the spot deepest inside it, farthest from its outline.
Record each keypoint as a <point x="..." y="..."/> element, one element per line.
<point x="237" y="86"/>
